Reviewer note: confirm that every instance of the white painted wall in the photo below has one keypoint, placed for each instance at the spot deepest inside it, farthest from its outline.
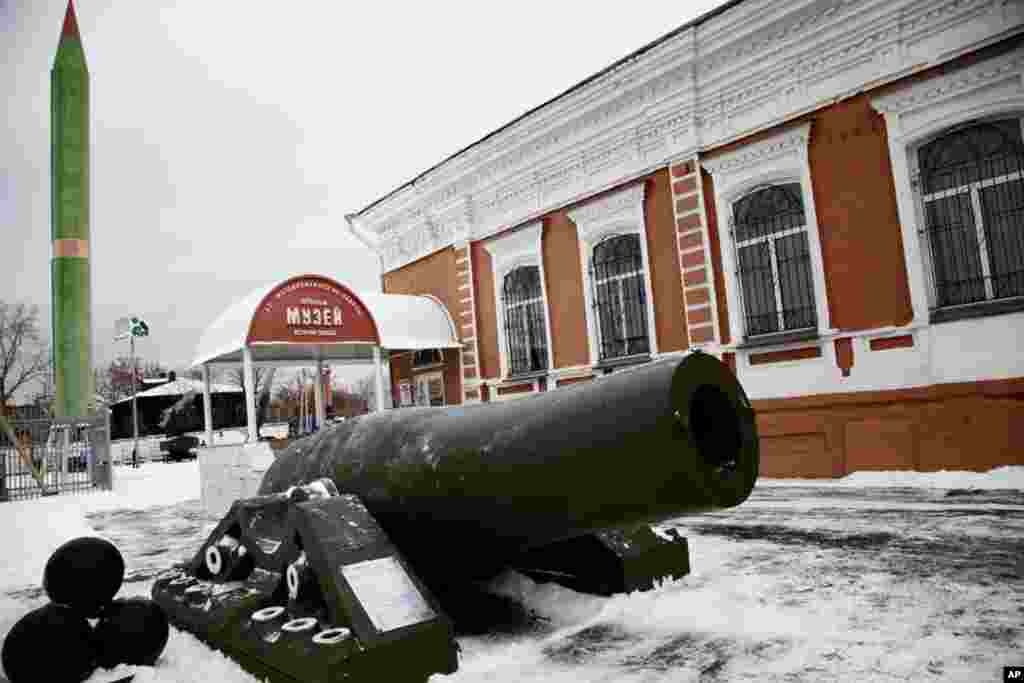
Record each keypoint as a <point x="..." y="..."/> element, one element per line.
<point x="961" y="351"/>
<point x="982" y="348"/>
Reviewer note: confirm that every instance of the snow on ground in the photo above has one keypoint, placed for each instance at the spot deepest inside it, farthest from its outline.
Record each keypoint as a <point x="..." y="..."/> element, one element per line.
<point x="1009" y="477"/>
<point x="36" y="527"/>
<point x="876" y="577"/>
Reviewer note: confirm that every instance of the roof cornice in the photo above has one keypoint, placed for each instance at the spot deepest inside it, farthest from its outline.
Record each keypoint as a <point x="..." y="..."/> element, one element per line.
<point x="758" y="64"/>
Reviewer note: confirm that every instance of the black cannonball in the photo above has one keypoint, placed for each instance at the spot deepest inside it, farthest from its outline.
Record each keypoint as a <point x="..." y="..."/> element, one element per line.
<point x="53" y="643"/>
<point x="131" y="631"/>
<point x="85" y="574"/>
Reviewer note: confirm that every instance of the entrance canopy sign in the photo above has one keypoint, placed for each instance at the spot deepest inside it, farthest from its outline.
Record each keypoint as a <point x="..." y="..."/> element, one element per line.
<point x="312" y="310"/>
<point x="313" y="320"/>
<point x="312" y="317"/>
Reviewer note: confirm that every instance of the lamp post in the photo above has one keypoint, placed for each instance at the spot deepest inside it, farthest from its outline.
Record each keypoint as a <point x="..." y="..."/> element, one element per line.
<point x="131" y="328"/>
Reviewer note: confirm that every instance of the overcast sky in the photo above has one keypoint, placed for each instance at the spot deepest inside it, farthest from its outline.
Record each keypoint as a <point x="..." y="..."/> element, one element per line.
<point x="229" y="139"/>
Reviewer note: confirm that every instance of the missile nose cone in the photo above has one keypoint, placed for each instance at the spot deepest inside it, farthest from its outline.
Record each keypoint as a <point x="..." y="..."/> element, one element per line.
<point x="70" y="22"/>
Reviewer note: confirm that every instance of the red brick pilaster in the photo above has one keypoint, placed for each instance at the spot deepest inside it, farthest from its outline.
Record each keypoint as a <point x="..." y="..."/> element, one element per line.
<point x="694" y="255"/>
<point x="465" y="320"/>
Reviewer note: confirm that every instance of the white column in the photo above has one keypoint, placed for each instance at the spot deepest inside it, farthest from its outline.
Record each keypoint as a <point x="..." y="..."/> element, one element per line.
<point x="250" y="394"/>
<point x="378" y="367"/>
<point x="207" y="406"/>
<point x="321" y="411"/>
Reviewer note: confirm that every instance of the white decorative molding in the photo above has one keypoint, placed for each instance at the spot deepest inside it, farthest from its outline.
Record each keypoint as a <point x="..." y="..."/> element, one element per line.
<point x="751" y="67"/>
<point x="498" y="397"/>
<point x="569" y="372"/>
<point x="781" y="157"/>
<point x="1007" y="68"/>
<point x="515" y="249"/>
<point x="788" y="143"/>
<point x="919" y="112"/>
<point x="602" y="214"/>
<point x="618" y="213"/>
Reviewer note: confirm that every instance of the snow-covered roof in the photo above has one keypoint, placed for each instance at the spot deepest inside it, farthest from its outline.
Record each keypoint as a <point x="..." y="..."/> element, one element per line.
<point x="226" y="335"/>
<point x="411" y="322"/>
<point x="403" y="323"/>
<point x="182" y="386"/>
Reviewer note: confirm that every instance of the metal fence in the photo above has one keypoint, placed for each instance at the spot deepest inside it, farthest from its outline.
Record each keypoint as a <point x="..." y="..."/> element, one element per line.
<point x="53" y="456"/>
<point x="148" y="450"/>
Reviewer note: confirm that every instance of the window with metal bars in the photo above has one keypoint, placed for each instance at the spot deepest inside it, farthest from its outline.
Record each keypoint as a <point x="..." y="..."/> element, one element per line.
<point x="971" y="191"/>
<point x="620" y="298"/>
<point x="525" y="334"/>
<point x="769" y="230"/>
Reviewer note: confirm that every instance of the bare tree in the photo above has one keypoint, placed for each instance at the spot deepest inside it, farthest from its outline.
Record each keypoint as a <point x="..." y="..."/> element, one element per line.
<point x="24" y="354"/>
<point x="260" y="378"/>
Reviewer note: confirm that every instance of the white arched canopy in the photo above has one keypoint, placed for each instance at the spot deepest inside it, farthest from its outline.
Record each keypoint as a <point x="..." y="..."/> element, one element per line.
<point x="315" y="319"/>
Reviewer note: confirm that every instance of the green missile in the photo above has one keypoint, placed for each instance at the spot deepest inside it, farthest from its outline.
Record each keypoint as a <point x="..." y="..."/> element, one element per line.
<point x="70" y="278"/>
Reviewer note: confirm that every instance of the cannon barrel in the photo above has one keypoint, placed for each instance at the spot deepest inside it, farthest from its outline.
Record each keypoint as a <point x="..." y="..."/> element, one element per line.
<point x="467" y="485"/>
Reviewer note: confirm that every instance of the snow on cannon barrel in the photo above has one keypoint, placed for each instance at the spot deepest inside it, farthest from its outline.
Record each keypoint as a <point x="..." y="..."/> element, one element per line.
<point x="347" y="565"/>
<point x="467" y="490"/>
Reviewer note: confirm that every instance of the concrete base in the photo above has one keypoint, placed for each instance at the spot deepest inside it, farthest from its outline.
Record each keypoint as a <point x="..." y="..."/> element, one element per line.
<point x="230" y="472"/>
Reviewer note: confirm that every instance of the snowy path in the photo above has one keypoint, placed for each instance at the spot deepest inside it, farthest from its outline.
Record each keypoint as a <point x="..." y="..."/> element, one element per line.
<point x="803" y="582"/>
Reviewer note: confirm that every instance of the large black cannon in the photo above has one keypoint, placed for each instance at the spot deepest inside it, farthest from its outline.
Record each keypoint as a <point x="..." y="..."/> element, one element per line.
<point x="380" y="514"/>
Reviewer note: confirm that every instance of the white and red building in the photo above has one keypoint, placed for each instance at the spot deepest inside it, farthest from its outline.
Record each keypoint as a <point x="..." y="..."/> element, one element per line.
<point x="828" y="194"/>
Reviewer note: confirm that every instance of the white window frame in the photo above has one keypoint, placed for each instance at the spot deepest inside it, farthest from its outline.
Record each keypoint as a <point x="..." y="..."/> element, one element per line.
<point x="770" y="239"/>
<point x="917" y="114"/>
<point x="619" y="213"/>
<point x="778" y="159"/>
<point x="618" y="279"/>
<point x="921" y="201"/>
<point x="523" y="304"/>
<point x="520" y="247"/>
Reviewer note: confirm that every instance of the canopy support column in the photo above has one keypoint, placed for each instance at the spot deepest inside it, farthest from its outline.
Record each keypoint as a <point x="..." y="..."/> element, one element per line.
<point x="207" y="406"/>
<point x="321" y="413"/>
<point x="250" y="394"/>
<point x="378" y="373"/>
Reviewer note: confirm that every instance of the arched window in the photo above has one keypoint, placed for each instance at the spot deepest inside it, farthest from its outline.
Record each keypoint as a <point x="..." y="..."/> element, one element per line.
<point x="619" y="297"/>
<point x="523" y="304"/>
<point x="769" y="232"/>
<point x="972" y="195"/>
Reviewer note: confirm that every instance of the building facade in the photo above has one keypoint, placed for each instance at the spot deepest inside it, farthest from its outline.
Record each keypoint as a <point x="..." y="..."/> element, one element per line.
<point x="826" y="194"/>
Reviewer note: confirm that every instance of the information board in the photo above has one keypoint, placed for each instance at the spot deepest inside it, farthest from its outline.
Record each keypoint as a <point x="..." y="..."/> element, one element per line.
<point x="386" y="592"/>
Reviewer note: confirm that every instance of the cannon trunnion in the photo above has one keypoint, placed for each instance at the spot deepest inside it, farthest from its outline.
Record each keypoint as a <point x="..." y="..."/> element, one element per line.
<point x="340" y="569"/>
